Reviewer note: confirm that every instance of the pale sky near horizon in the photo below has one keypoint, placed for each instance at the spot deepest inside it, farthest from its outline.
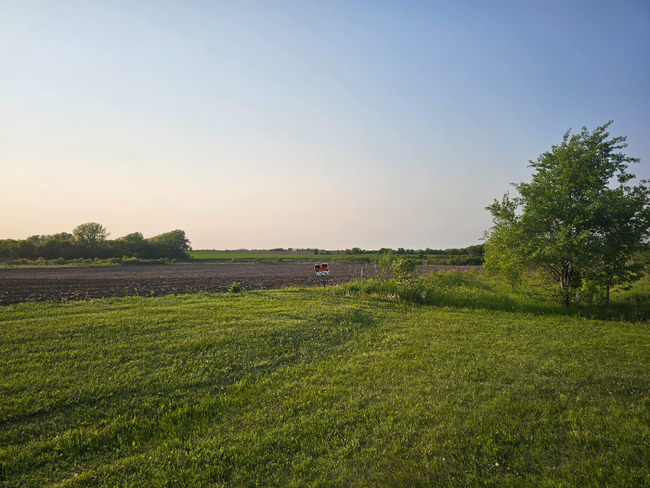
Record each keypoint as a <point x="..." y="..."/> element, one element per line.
<point x="302" y="124"/>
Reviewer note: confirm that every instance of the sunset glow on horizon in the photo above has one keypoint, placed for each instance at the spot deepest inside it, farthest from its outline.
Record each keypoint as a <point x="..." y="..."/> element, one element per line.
<point x="335" y="125"/>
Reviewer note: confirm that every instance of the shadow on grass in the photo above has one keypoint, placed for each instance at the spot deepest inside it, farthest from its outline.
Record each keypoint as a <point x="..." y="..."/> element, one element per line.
<point x="478" y="292"/>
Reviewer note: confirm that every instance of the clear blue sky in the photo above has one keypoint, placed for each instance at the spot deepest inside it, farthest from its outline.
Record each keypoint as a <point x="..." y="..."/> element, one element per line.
<point x="302" y="124"/>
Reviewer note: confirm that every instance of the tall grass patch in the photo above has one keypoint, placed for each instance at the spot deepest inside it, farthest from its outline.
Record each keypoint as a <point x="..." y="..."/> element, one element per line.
<point x="475" y="290"/>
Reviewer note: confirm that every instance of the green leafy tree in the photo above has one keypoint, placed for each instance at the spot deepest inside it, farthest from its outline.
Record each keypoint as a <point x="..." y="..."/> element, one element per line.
<point x="90" y="235"/>
<point x="172" y="244"/>
<point x="8" y="248"/>
<point x="501" y="252"/>
<point x="132" y="244"/>
<point x="27" y="249"/>
<point x="624" y="221"/>
<point x="55" y="245"/>
<point x="579" y="219"/>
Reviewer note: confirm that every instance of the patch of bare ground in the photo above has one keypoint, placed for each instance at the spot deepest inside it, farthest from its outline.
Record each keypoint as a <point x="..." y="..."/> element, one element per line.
<point x="60" y="284"/>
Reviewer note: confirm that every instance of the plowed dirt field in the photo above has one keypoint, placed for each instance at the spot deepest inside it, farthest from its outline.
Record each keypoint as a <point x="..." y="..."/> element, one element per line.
<point x="39" y="284"/>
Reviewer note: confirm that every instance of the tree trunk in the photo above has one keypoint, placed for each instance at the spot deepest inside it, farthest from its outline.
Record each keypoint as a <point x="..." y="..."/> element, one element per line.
<point x="565" y="282"/>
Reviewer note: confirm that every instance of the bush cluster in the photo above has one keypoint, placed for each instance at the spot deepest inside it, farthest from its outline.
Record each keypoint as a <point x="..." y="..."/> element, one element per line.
<point x="70" y="247"/>
<point x="125" y="260"/>
<point x="236" y="288"/>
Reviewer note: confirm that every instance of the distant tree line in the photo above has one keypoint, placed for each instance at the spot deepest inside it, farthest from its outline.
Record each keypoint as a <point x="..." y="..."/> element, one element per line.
<point x="466" y="256"/>
<point x="466" y="251"/>
<point x="476" y="250"/>
<point x="89" y="241"/>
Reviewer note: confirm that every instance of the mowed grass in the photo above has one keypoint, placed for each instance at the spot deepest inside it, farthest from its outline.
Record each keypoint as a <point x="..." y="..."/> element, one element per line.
<point x="314" y="388"/>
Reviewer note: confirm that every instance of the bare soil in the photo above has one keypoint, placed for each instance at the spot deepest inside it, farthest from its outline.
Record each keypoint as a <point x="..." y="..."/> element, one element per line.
<point x="60" y="284"/>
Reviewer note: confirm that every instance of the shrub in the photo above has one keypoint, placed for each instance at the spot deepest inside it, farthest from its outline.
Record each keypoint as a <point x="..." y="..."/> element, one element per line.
<point x="354" y="287"/>
<point x="404" y="268"/>
<point x="235" y="288"/>
<point x="384" y="264"/>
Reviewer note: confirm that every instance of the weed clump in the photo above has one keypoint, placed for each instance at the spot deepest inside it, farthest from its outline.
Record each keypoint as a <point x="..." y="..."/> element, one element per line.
<point x="235" y="288"/>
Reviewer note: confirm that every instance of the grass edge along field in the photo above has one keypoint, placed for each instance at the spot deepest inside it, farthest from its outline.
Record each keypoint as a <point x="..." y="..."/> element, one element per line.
<point x="303" y="387"/>
<point x="471" y="255"/>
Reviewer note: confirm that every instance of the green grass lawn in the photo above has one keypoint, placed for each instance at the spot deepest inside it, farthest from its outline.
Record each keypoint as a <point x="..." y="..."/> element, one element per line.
<point x="316" y="388"/>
